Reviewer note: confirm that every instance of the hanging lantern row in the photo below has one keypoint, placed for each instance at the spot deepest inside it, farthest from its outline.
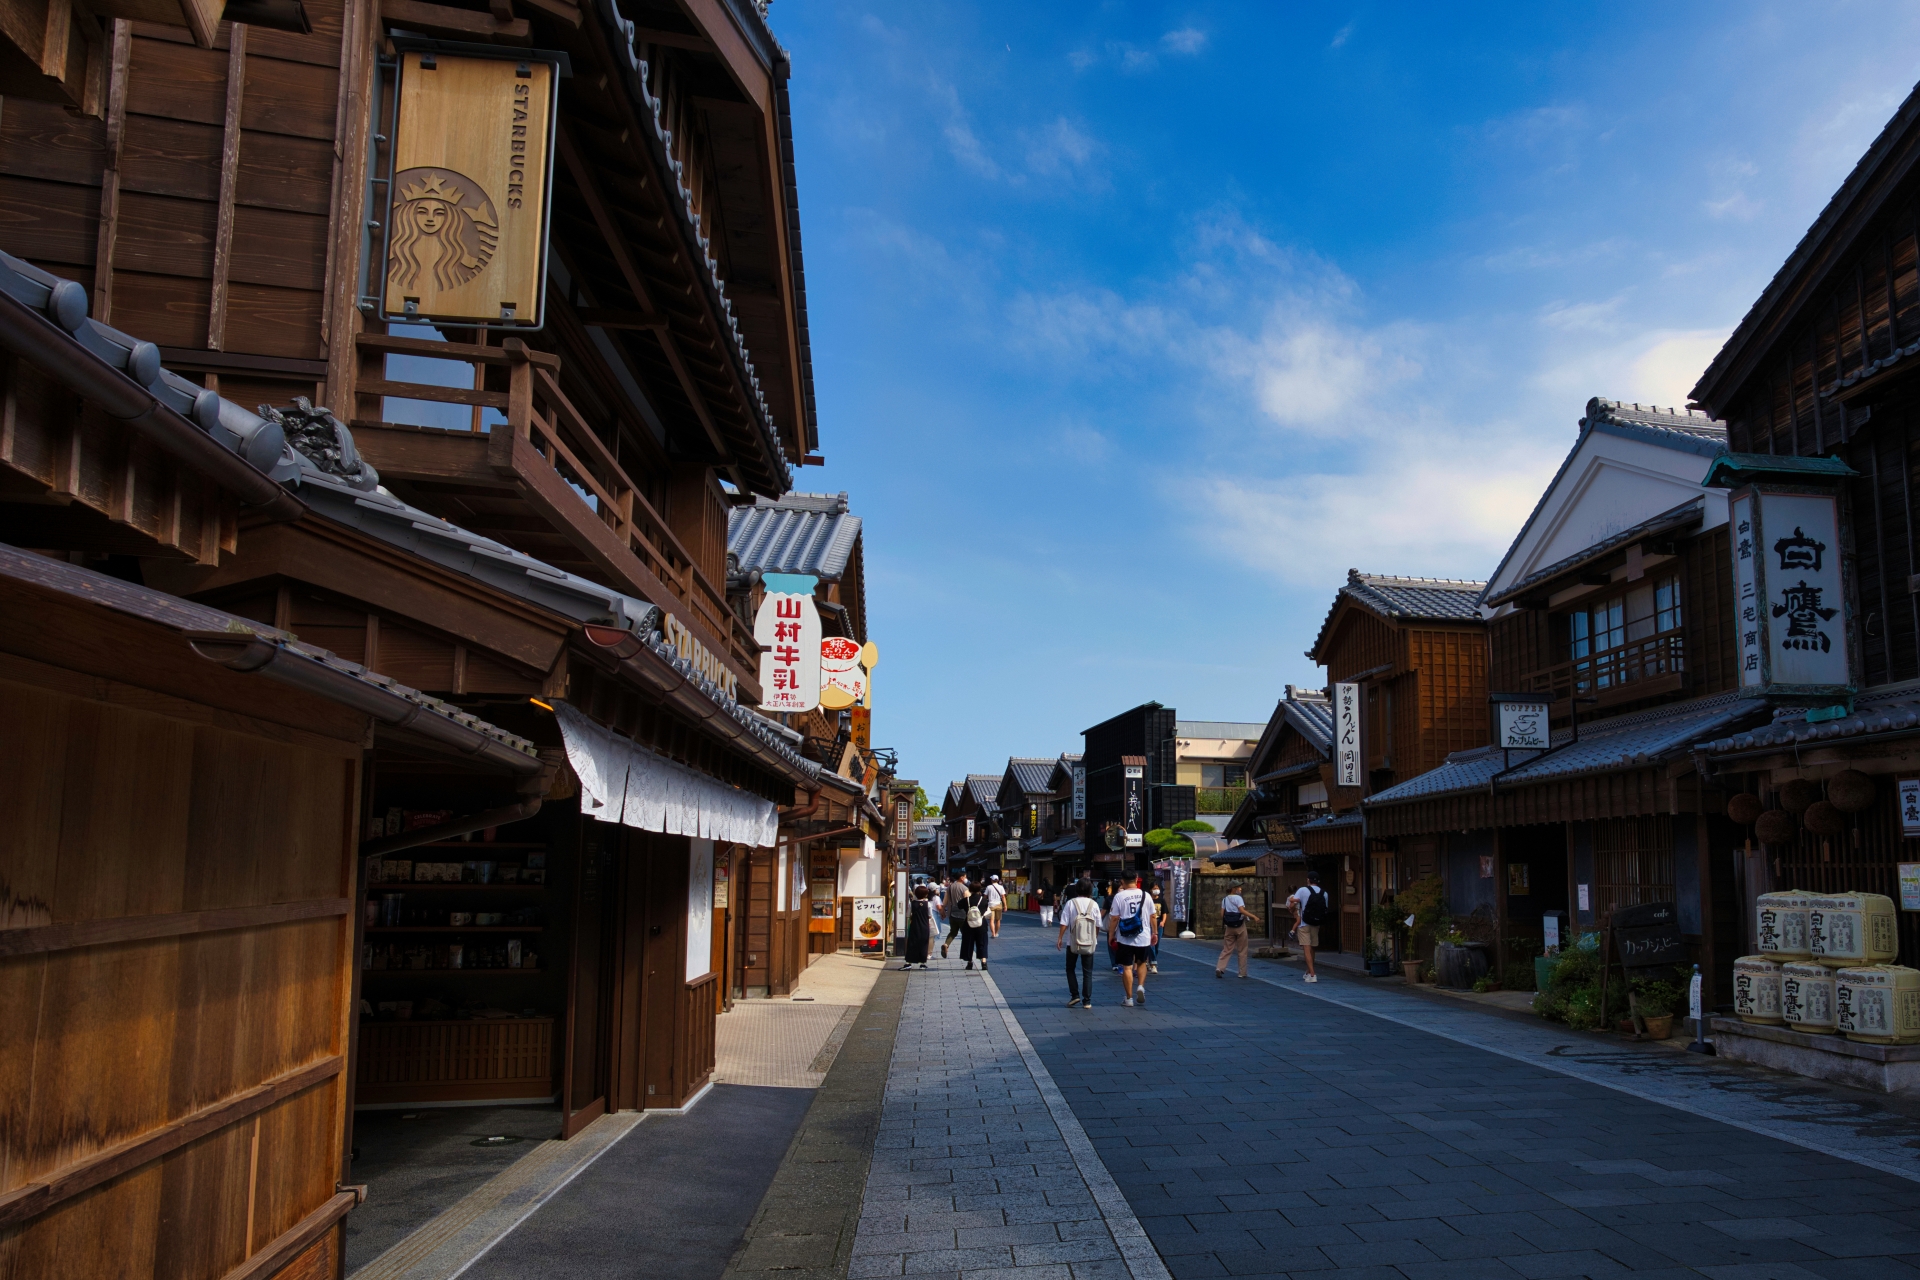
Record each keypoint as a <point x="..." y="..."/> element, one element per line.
<point x="1848" y="791"/>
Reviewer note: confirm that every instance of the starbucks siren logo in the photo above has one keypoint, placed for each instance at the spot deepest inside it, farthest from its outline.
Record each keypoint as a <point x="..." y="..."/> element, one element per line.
<point x="444" y="229"/>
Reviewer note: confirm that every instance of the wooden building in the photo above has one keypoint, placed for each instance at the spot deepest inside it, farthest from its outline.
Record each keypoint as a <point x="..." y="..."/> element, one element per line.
<point x="529" y="524"/>
<point x="179" y="842"/>
<point x="1613" y="608"/>
<point x="1418" y="648"/>
<point x="1817" y="386"/>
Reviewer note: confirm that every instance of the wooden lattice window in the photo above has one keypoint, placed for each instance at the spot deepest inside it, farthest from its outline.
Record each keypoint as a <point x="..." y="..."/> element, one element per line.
<point x="1632" y="862"/>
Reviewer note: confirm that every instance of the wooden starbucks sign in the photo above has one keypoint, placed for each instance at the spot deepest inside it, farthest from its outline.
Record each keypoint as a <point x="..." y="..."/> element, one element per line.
<point x="468" y="188"/>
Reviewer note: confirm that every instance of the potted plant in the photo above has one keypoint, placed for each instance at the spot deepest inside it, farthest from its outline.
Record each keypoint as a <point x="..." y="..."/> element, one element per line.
<point x="1424" y="903"/>
<point x="1655" y="1000"/>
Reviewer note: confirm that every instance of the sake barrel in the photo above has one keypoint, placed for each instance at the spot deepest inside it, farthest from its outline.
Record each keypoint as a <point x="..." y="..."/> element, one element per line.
<point x="1806" y="996"/>
<point x="1878" y="1003"/>
<point x="1756" y="990"/>
<point x="1852" y="929"/>
<point x="1780" y="924"/>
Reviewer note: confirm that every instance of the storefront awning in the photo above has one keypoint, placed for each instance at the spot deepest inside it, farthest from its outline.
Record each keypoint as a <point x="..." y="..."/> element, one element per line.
<point x="621" y="781"/>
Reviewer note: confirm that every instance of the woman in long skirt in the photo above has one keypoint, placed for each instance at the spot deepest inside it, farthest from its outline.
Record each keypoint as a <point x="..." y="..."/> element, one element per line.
<point x="919" y="928"/>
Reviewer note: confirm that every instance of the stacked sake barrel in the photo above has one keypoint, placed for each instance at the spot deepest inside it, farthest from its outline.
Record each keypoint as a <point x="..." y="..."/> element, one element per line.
<point x="1824" y="967"/>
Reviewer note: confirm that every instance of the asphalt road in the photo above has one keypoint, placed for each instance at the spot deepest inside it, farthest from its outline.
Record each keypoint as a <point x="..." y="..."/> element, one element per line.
<point x="1257" y="1130"/>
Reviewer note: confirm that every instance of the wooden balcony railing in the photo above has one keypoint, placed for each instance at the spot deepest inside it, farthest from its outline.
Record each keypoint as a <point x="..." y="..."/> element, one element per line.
<point x="1638" y="669"/>
<point x="539" y="414"/>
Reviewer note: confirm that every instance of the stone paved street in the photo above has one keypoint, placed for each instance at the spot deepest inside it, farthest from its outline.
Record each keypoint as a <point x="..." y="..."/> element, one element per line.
<point x="1257" y="1131"/>
<point x="980" y="1169"/>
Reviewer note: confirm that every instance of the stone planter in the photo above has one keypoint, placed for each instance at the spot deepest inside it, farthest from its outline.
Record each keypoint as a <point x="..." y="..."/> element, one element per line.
<point x="1659" y="1028"/>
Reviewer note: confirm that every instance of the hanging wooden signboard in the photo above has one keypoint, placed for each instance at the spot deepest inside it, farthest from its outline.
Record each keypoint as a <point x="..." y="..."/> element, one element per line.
<point x="468" y="199"/>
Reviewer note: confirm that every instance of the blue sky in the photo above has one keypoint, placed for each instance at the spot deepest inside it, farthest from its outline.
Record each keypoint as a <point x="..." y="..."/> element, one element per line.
<point x="1136" y="325"/>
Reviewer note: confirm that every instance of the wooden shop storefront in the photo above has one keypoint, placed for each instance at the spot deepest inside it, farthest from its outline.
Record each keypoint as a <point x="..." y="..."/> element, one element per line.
<point x="1619" y="818"/>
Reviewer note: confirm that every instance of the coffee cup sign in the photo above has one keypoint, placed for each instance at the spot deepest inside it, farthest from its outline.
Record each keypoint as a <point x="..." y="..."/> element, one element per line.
<point x="843" y="682"/>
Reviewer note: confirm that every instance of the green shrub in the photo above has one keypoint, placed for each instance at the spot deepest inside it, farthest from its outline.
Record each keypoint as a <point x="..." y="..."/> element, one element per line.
<point x="1157" y="837"/>
<point x="1657" y="998"/>
<point x="1191" y="825"/>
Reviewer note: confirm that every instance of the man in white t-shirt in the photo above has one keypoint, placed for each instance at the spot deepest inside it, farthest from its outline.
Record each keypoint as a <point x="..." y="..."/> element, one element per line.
<point x="1130" y="927"/>
<point x="1080" y="936"/>
<point x="1310" y="909"/>
<point x="1233" y="936"/>
<point x="996" y="903"/>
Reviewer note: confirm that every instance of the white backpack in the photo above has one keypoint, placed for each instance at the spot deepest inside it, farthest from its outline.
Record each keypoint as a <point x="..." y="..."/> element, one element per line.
<point x="1086" y="934"/>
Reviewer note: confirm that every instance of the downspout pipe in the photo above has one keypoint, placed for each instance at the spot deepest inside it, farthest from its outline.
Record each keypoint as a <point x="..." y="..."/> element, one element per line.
<point x="250" y="653"/>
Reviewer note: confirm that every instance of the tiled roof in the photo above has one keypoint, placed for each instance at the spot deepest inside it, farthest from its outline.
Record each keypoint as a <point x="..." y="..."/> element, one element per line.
<point x="1032" y="773"/>
<point x="798" y="533"/>
<point x="1313" y="718"/>
<point x="1895" y="710"/>
<point x="1430" y="599"/>
<point x="1781" y="290"/>
<point x="1701" y="433"/>
<point x="1240" y="729"/>
<point x="983" y="787"/>
<point x="1623" y="742"/>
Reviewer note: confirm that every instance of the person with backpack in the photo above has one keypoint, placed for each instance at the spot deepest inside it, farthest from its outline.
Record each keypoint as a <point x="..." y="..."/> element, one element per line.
<point x="1080" y="936"/>
<point x="974" y="917"/>
<point x="1233" y="937"/>
<point x="1310" y="910"/>
<point x="1131" y="930"/>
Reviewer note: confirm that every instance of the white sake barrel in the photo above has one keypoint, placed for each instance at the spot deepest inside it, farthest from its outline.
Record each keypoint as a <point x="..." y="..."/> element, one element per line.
<point x="1806" y="997"/>
<point x="1780" y="925"/>
<point x="1878" y="1003"/>
<point x="1852" y="929"/>
<point x="1756" y="990"/>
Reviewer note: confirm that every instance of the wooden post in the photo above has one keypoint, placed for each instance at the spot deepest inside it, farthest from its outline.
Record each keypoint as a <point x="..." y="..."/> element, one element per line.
<point x="110" y="179"/>
<point x="229" y="180"/>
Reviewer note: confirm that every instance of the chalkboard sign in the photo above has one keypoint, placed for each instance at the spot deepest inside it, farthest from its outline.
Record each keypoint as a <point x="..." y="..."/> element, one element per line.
<point x="1648" y="935"/>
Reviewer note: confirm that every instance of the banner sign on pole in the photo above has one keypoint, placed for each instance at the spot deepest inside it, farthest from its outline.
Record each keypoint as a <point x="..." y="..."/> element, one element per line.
<point x="1133" y="814"/>
<point x="788" y="630"/>
<point x="940" y="846"/>
<point x="1079" y="793"/>
<point x="1346" y="734"/>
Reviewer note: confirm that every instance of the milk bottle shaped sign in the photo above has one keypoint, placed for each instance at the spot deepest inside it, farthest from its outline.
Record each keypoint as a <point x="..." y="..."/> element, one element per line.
<point x="788" y="630"/>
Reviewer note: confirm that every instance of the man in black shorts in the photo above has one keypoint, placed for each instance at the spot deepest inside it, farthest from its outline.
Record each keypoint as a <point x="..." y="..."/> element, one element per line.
<point x="1131" y="931"/>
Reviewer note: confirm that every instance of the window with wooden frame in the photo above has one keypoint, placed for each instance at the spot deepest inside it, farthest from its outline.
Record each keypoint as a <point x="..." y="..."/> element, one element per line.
<point x="1616" y="639"/>
<point x="1632" y="862"/>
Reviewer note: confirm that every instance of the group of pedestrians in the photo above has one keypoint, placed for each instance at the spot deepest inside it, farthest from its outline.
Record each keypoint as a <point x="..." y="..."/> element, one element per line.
<point x="1132" y="922"/>
<point x="971" y="914"/>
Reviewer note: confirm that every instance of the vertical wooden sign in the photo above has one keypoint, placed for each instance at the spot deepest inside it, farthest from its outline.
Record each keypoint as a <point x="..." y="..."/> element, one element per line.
<point x="473" y="163"/>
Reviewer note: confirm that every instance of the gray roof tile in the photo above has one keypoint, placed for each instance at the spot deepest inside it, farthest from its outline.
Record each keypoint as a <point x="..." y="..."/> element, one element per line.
<point x="1428" y="599"/>
<point x="798" y="533"/>
<point x="1894" y="710"/>
<point x="1623" y="742"/>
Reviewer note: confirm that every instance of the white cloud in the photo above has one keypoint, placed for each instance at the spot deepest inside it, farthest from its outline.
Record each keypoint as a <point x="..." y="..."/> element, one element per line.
<point x="1059" y="148"/>
<point x="1437" y="506"/>
<point x="958" y="130"/>
<point x="1186" y="40"/>
<point x="1341" y="36"/>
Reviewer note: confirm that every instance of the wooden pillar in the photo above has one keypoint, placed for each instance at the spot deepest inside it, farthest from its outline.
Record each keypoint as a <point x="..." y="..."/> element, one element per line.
<point x="229" y="182"/>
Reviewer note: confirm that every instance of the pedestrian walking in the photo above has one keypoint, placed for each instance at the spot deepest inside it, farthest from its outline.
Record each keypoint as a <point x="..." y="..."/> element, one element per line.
<point x="1079" y="935"/>
<point x="1131" y="930"/>
<point x="974" y="929"/>
<point x="955" y="909"/>
<point x="919" y="927"/>
<point x="1233" y="923"/>
<point x="1310" y="910"/>
<point x="1043" y="895"/>
<point x="996" y="903"/>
